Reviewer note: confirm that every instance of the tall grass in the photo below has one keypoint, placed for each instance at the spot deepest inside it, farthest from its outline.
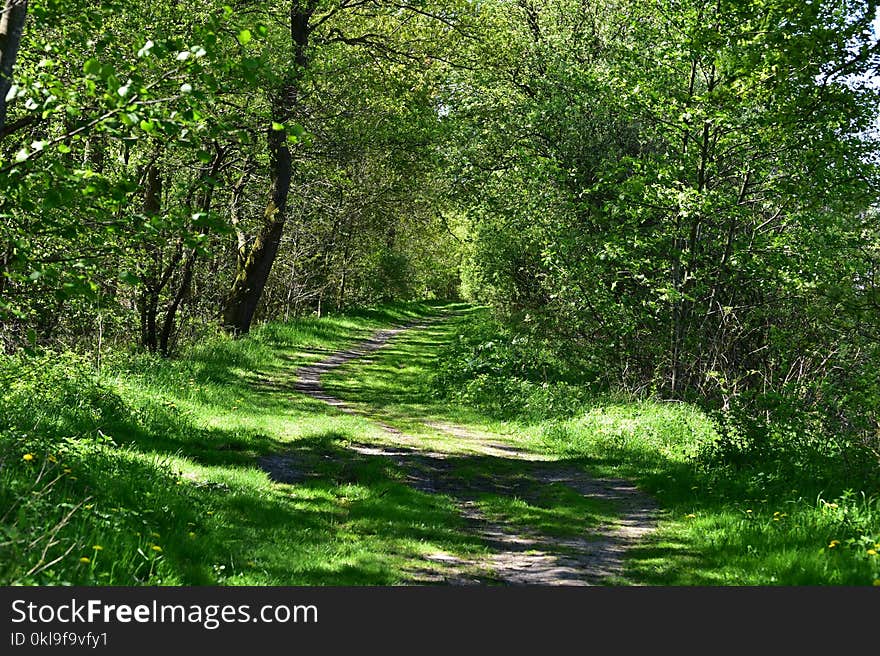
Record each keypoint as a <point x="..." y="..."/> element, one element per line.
<point x="150" y="475"/>
<point x="72" y="495"/>
<point x="792" y="513"/>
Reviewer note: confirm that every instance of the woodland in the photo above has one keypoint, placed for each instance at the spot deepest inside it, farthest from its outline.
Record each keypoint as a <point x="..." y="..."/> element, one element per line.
<point x="637" y="239"/>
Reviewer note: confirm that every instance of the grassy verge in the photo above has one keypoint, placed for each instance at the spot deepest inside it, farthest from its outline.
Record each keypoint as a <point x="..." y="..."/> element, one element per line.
<point x="398" y="386"/>
<point x="787" y="518"/>
<point x="151" y="475"/>
<point x="752" y="525"/>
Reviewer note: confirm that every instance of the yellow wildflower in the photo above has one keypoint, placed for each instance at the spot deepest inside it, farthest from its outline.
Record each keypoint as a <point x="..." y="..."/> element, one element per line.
<point x="85" y="560"/>
<point x="27" y="457"/>
<point x="690" y="516"/>
<point x="833" y="544"/>
<point x="98" y="547"/>
<point x="156" y="548"/>
<point x="872" y="552"/>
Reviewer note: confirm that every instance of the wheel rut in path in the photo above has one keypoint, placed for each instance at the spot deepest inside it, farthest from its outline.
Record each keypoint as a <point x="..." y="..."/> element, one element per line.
<point x="518" y="555"/>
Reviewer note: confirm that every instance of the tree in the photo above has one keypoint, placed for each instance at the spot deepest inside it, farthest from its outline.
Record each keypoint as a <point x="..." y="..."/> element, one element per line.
<point x="11" y="27"/>
<point x="665" y="188"/>
<point x="389" y="31"/>
<point x="85" y="123"/>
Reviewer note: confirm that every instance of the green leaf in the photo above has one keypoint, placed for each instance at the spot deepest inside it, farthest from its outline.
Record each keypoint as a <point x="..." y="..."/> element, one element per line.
<point x="92" y="67"/>
<point x="278" y="127"/>
<point x="52" y="199"/>
<point x="244" y="37"/>
<point x="128" y="278"/>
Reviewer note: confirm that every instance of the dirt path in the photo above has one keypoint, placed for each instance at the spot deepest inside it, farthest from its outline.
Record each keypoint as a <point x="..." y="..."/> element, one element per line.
<point x="518" y="555"/>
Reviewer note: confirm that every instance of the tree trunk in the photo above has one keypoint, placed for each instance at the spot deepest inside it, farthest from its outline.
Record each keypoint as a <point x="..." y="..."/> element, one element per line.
<point x="253" y="271"/>
<point x="171" y="311"/>
<point x="11" y="28"/>
<point x="209" y="180"/>
<point x="154" y="281"/>
<point x="149" y="309"/>
<point x="241" y="304"/>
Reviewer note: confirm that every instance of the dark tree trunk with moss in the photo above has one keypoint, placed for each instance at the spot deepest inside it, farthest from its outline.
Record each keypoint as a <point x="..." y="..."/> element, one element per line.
<point x="254" y="266"/>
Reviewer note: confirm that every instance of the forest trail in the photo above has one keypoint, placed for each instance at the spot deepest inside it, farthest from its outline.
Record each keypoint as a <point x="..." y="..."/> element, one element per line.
<point x="517" y="554"/>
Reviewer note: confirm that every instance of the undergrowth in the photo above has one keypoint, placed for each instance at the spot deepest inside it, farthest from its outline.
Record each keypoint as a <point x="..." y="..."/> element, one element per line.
<point x="788" y="506"/>
<point x="147" y="473"/>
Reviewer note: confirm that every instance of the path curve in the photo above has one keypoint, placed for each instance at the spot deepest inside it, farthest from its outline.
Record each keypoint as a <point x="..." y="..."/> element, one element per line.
<point x="518" y="555"/>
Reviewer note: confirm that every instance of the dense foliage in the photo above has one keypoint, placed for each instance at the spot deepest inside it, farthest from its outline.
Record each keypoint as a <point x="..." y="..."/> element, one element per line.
<point x="159" y="166"/>
<point x="679" y="198"/>
<point x="669" y="199"/>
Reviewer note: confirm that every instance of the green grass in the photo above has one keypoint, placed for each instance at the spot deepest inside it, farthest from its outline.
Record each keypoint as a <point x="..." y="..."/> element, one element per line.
<point x="152" y="475"/>
<point x="396" y="385"/>
<point x="791" y="517"/>
<point x="722" y="526"/>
